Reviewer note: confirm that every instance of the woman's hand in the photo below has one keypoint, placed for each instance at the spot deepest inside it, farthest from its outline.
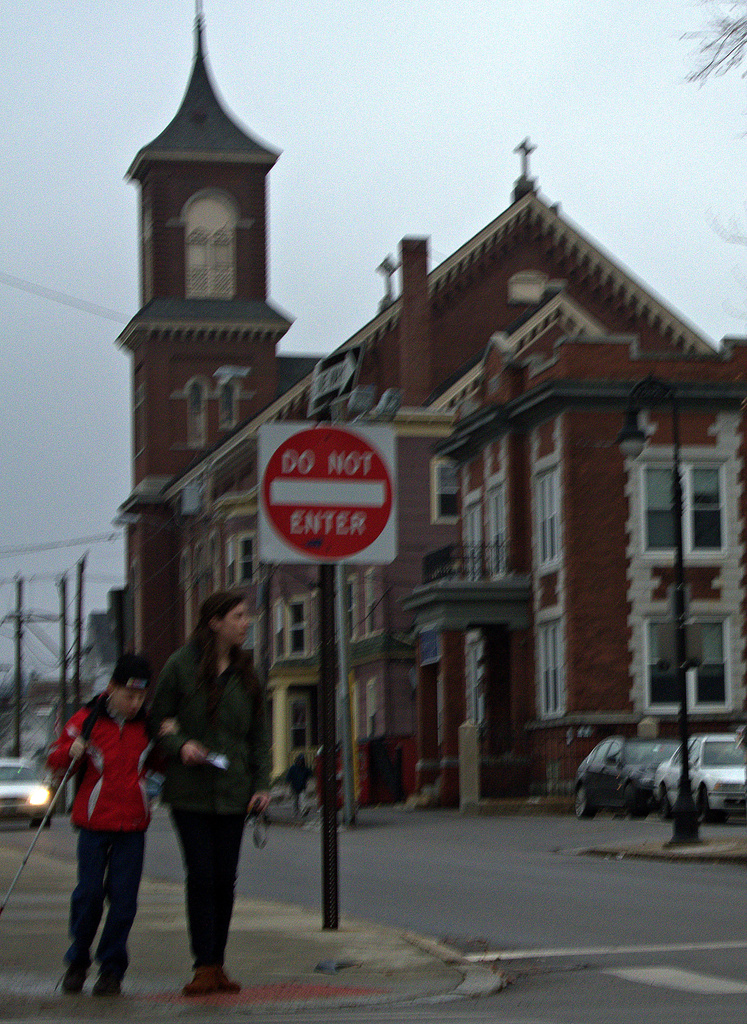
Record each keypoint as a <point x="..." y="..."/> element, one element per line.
<point x="193" y="752"/>
<point x="258" y="803"/>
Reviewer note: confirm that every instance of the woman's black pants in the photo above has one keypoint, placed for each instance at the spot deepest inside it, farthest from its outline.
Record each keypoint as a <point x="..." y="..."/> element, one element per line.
<point x="211" y="844"/>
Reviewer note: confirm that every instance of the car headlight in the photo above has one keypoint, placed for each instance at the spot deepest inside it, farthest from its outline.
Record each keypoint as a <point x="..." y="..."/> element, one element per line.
<point x="38" y="796"/>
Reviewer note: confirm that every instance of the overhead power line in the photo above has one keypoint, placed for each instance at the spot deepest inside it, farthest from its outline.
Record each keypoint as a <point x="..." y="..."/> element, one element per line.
<point x="97" y="538"/>
<point x="63" y="298"/>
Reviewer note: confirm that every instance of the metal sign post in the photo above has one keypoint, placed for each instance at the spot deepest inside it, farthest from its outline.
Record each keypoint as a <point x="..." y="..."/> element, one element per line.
<point x="327" y="495"/>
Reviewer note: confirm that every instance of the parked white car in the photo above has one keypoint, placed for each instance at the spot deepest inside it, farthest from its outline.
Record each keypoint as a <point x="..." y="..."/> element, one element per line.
<point x="717" y="777"/>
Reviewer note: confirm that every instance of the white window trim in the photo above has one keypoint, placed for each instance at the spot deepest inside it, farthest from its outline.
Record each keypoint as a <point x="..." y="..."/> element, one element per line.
<point x="240" y="577"/>
<point x="497" y="561"/>
<point x="304" y="604"/>
<point x="552" y="473"/>
<point x="436" y="517"/>
<point x="279" y="620"/>
<point x="544" y="630"/>
<point x="692" y="674"/>
<point x="472" y="537"/>
<point x="369" y="601"/>
<point x="686" y="468"/>
<point x="230" y="563"/>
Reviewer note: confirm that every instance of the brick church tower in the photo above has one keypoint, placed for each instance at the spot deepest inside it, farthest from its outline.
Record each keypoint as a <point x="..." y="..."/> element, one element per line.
<point x="203" y="344"/>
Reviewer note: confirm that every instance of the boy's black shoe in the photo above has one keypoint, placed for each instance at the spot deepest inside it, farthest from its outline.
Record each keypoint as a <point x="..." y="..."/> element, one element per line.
<point x="107" y="984"/>
<point x="74" y="978"/>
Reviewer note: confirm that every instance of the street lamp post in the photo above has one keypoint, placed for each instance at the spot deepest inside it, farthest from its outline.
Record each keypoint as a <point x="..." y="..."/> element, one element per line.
<point x="651" y="391"/>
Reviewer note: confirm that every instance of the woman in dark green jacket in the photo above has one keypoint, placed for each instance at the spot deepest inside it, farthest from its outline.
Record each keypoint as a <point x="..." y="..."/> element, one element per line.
<point x="208" y="702"/>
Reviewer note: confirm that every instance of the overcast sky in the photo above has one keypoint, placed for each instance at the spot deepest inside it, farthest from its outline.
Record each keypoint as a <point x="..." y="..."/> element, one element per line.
<point x="393" y="119"/>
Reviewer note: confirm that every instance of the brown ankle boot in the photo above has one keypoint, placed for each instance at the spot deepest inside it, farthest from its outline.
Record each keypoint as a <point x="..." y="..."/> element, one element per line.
<point x="205" y="981"/>
<point x="224" y="983"/>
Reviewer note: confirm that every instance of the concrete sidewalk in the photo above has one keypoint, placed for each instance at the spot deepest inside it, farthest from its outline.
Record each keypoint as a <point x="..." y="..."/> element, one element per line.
<point x="279" y="953"/>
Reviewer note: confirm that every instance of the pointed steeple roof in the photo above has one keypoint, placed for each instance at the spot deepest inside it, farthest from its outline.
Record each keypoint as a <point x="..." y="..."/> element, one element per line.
<point x="201" y="129"/>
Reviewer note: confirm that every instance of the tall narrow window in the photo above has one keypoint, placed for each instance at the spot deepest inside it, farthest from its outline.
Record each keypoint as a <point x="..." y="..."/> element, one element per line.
<point x="246" y="558"/>
<point x="705" y="488"/>
<point x="548" y="517"/>
<point x="551" y="670"/>
<point x="497" y="560"/>
<point x="279" y="629"/>
<point x="230" y="562"/>
<point x="444" y="491"/>
<point x="659" y="522"/>
<point x="297" y="627"/>
<point x="227" y="405"/>
<point x="210" y="229"/>
<point x="473" y="541"/>
<point x="196" y="413"/>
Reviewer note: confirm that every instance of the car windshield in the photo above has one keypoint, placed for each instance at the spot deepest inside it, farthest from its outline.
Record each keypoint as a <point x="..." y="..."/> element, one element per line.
<point x="650" y="752"/>
<point x="16" y="773"/>
<point x="722" y="754"/>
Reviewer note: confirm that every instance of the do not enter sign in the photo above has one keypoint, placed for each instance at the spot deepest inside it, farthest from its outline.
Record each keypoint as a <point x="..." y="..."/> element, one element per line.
<point x="327" y="493"/>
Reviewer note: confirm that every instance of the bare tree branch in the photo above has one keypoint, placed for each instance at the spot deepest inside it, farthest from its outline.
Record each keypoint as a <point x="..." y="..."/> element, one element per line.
<point x="722" y="44"/>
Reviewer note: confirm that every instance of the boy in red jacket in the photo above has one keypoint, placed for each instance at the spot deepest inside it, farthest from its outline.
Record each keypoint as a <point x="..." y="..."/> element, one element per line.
<point x="112" y="812"/>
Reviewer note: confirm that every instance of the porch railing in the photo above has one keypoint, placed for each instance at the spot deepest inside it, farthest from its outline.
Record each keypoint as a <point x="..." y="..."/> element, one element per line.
<point x="466" y="562"/>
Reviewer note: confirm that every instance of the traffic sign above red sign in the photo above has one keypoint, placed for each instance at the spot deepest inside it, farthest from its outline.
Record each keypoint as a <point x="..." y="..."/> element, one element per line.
<point x="327" y="493"/>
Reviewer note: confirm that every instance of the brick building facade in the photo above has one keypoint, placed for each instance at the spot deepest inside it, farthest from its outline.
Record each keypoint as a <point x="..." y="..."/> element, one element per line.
<point x="521" y="581"/>
<point x="551" y="613"/>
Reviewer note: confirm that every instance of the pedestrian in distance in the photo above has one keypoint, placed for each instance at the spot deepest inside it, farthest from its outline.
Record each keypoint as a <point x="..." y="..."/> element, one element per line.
<point x="298" y="776"/>
<point x="111" y="812"/>
<point x="208" y="710"/>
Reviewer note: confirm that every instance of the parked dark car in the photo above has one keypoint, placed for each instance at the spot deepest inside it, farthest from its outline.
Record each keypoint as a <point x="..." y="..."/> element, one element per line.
<point x="619" y="772"/>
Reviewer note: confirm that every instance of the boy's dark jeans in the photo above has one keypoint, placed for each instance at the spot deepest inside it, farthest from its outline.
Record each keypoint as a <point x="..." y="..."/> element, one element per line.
<point x="109" y="866"/>
<point x="211" y="844"/>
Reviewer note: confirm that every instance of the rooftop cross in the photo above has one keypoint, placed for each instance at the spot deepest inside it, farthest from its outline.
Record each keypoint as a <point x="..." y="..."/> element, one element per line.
<point x="525" y="148"/>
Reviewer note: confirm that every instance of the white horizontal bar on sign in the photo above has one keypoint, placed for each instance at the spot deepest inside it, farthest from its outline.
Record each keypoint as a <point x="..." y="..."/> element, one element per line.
<point x="327" y="493"/>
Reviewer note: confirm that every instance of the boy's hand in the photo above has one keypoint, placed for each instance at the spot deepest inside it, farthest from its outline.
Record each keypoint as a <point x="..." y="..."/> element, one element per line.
<point x="77" y="748"/>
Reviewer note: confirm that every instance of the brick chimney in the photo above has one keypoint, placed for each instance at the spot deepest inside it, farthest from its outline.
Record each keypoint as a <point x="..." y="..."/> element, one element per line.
<point x="415" y="356"/>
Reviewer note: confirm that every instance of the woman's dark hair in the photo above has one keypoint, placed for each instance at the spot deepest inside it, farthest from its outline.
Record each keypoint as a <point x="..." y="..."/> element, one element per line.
<point x="218" y="605"/>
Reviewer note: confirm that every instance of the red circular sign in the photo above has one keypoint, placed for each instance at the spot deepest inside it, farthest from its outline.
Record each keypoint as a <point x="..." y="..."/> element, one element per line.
<point x="327" y="493"/>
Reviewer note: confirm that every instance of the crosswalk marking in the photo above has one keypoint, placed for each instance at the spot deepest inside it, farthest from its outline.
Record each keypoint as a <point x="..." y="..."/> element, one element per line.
<point x="571" y="951"/>
<point x="684" y="981"/>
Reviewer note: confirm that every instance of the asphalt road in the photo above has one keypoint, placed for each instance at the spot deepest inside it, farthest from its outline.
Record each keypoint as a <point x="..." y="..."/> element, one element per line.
<point x="586" y="939"/>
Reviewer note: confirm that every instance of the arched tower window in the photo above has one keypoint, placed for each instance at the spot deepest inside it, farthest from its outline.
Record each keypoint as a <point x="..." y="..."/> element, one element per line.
<point x="210" y="219"/>
<point x="196" y="413"/>
<point x="227" y="404"/>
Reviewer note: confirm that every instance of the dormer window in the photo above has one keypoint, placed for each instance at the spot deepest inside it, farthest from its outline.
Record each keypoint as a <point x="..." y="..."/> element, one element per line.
<point x="210" y="230"/>
<point x="196" y="414"/>
<point x="526" y="288"/>
<point x="227" y="404"/>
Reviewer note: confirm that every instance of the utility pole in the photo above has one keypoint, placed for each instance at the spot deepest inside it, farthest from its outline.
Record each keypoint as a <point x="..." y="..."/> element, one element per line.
<point x="63" y="648"/>
<point x="19" y="668"/>
<point x="79" y="631"/>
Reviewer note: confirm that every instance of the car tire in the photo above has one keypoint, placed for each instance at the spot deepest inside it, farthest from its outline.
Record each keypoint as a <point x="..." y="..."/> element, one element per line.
<point x="582" y="806"/>
<point x="702" y="805"/>
<point x="632" y="802"/>
<point x="665" y="807"/>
